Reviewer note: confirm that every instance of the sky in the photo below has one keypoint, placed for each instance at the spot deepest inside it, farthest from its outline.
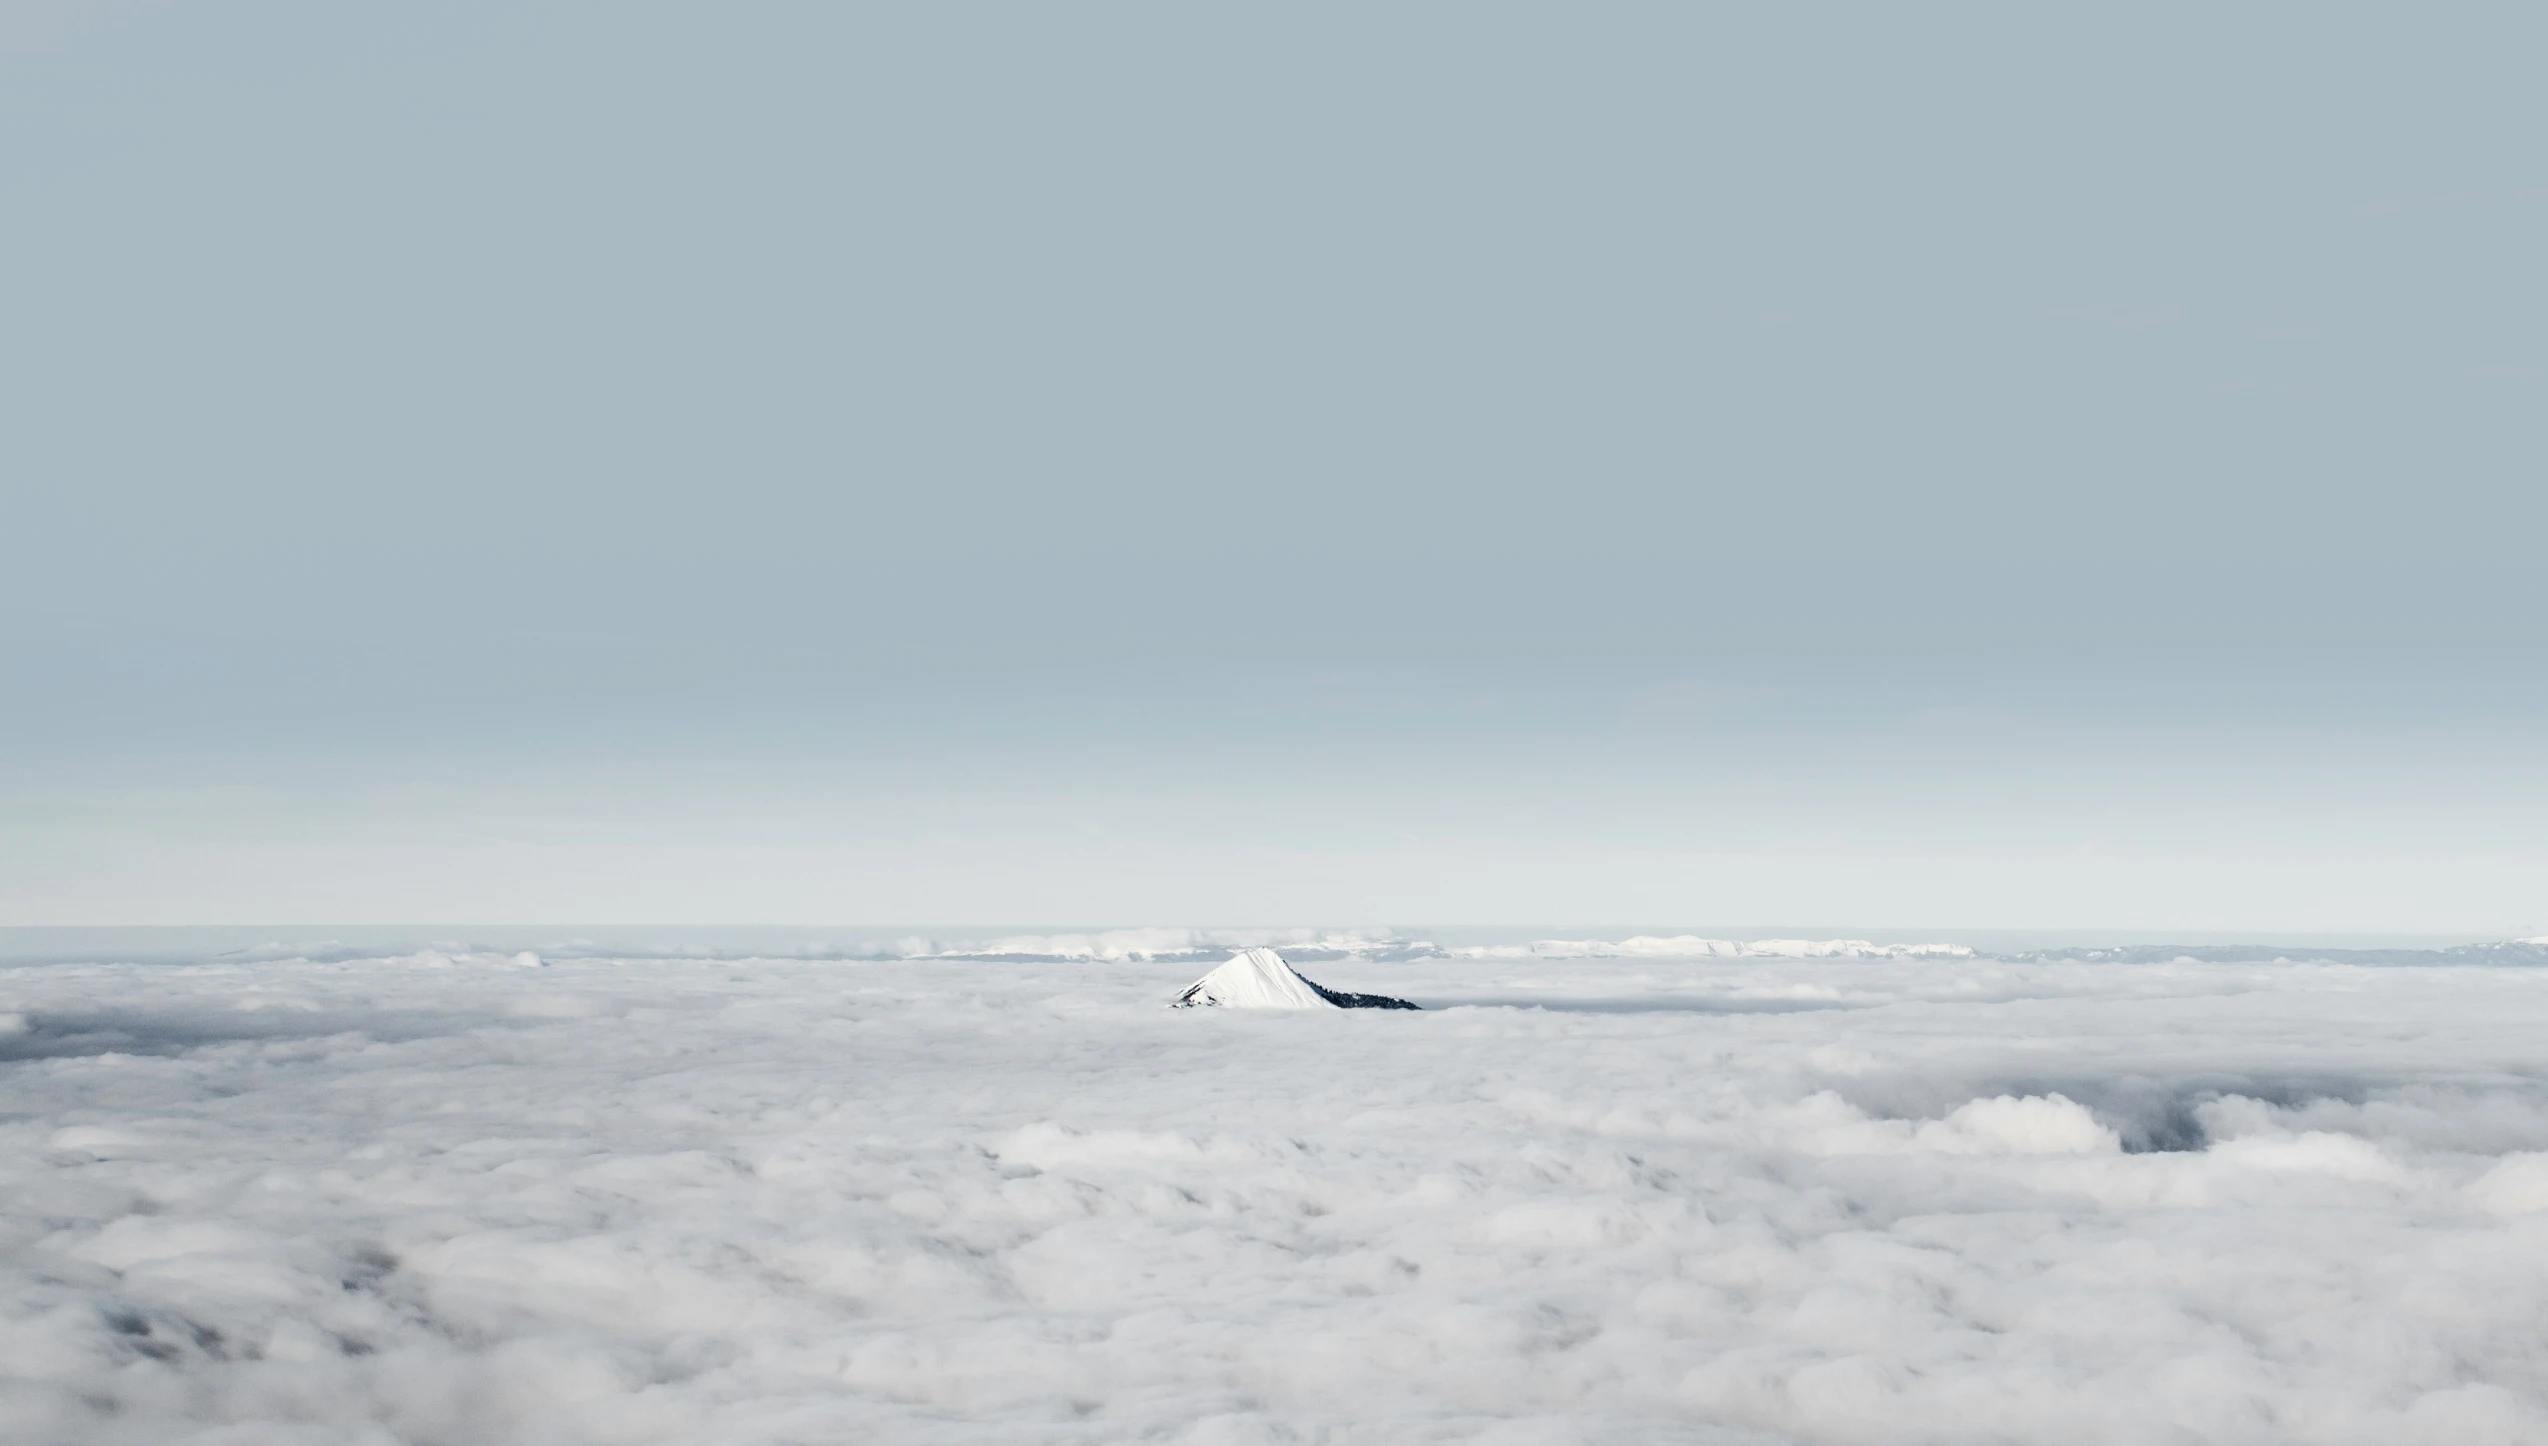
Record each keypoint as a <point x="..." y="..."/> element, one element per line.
<point x="1981" y="467"/>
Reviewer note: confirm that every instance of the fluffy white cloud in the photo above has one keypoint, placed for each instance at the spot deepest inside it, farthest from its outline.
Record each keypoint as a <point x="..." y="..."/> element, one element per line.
<point x="465" y="1196"/>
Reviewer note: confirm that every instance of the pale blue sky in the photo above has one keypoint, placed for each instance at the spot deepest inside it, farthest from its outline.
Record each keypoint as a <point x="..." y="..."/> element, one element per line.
<point x="984" y="464"/>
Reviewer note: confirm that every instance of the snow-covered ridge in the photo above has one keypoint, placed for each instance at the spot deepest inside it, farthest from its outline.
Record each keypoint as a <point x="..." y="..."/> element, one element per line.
<point x="1168" y="944"/>
<point x="1691" y="946"/>
<point x="1149" y="944"/>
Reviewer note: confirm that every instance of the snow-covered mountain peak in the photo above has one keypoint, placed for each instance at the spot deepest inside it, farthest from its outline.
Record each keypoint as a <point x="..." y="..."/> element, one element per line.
<point x="1259" y="979"/>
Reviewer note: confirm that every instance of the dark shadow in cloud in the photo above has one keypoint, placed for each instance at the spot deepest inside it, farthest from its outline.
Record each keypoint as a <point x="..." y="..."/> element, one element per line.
<point x="2152" y="1112"/>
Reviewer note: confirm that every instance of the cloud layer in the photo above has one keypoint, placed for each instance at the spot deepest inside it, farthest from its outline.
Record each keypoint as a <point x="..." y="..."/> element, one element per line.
<point x="467" y="1197"/>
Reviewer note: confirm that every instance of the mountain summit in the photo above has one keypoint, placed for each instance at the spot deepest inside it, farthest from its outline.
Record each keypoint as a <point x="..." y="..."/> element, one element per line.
<point x="1259" y="979"/>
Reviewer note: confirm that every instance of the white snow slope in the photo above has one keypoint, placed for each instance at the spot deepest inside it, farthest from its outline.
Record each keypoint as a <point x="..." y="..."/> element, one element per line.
<point x="1257" y="978"/>
<point x="1254" y="979"/>
<point x="455" y="1199"/>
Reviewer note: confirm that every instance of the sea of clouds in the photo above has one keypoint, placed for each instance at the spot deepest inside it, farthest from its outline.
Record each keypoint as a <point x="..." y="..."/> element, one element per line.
<point x="1636" y="1191"/>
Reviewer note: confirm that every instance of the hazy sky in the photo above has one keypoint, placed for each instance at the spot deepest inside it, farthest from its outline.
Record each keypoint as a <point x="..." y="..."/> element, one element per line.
<point x="620" y="463"/>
